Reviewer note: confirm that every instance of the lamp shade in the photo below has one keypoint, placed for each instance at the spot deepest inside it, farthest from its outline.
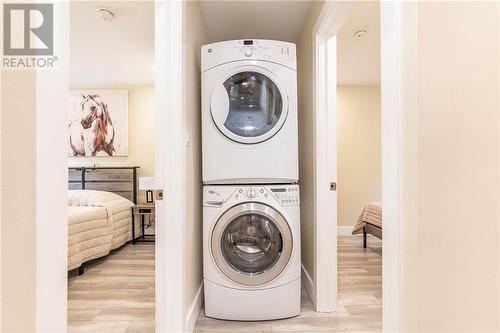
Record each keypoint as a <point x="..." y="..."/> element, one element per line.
<point x="146" y="183"/>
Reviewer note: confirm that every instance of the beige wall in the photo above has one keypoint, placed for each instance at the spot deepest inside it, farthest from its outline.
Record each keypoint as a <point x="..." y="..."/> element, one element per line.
<point x="141" y="134"/>
<point x="195" y="37"/>
<point x="1" y="215"/>
<point x="33" y="191"/>
<point x="18" y="220"/>
<point x="450" y="185"/>
<point x="359" y="154"/>
<point x="305" y="70"/>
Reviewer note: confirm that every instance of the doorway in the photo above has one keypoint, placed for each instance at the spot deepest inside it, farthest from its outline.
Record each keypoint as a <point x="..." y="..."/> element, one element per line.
<point x="329" y="24"/>
<point x="111" y="209"/>
<point x="359" y="190"/>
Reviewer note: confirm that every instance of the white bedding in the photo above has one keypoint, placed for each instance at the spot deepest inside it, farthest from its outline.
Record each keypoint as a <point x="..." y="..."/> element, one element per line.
<point x="98" y="222"/>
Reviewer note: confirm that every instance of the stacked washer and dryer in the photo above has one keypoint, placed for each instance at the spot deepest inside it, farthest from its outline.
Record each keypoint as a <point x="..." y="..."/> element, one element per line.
<point x="251" y="215"/>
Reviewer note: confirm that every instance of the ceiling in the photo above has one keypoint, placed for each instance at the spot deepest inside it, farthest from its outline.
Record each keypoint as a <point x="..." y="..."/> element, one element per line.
<point x="358" y="60"/>
<point x="112" y="53"/>
<point x="121" y="52"/>
<point x="279" y="20"/>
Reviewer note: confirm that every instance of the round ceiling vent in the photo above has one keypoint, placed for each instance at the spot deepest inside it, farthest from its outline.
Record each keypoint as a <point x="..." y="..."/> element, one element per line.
<point x="360" y="33"/>
<point x="106" y="14"/>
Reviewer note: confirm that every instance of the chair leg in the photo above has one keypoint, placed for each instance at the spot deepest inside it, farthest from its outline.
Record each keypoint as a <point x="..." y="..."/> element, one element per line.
<point x="364" y="238"/>
<point x="81" y="270"/>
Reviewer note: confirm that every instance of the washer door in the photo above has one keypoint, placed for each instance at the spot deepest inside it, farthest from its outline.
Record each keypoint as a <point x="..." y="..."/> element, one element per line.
<point x="251" y="243"/>
<point x="248" y="105"/>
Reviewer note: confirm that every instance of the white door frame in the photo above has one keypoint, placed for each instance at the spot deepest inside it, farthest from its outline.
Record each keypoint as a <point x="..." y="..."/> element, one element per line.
<point x="51" y="306"/>
<point x="171" y="164"/>
<point x="52" y="94"/>
<point x="332" y="16"/>
<point x="398" y="22"/>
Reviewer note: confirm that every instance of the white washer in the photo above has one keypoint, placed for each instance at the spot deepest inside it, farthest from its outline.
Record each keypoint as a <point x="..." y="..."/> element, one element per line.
<point x="251" y="251"/>
<point x="249" y="112"/>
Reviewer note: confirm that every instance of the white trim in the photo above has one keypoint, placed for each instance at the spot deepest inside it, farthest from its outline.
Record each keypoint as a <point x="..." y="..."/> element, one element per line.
<point x="194" y="309"/>
<point x="332" y="16"/>
<point x="308" y="284"/>
<point x="345" y="231"/>
<point x="398" y="51"/>
<point x="52" y="90"/>
<point x="170" y="165"/>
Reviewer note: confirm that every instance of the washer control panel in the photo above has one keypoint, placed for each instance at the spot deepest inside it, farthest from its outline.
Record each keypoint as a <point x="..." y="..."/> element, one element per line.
<point x="284" y="195"/>
<point x="216" y="196"/>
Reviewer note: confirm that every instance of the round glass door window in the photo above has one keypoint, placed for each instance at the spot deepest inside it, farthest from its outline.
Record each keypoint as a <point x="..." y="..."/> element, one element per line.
<point x="255" y="104"/>
<point x="251" y="243"/>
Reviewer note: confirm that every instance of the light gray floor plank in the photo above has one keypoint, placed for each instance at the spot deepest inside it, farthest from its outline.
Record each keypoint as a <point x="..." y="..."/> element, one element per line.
<point x="116" y="293"/>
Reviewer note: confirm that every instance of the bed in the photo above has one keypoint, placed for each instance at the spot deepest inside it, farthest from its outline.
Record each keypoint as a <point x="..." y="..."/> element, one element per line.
<point x="369" y="222"/>
<point x="98" y="222"/>
<point x="99" y="211"/>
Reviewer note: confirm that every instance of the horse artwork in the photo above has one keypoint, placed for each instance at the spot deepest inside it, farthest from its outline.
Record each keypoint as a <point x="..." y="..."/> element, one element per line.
<point x="98" y="123"/>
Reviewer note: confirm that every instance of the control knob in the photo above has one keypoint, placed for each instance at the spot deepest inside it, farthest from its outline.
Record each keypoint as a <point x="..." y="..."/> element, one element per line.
<point x="251" y="193"/>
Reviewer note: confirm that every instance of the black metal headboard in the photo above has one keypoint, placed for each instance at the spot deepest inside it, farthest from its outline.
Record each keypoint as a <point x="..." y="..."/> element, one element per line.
<point x="119" y="180"/>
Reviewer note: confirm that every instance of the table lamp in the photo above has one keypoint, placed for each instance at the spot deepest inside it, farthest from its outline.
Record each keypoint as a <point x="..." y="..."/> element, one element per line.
<point x="147" y="184"/>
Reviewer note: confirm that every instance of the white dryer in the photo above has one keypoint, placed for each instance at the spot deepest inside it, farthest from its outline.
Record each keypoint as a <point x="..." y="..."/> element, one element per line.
<point x="251" y="251"/>
<point x="249" y="112"/>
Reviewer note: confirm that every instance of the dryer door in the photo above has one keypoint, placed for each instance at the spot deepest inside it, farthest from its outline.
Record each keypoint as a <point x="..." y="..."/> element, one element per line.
<point x="251" y="244"/>
<point x="248" y="105"/>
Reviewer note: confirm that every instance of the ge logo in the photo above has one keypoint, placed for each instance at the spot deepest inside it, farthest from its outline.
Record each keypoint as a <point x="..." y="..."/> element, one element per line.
<point x="28" y="29"/>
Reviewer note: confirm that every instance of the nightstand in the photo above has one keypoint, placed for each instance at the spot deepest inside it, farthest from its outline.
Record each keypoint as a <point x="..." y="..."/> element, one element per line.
<point x="142" y="210"/>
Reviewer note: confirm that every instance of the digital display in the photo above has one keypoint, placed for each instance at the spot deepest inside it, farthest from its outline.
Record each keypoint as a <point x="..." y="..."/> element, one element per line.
<point x="278" y="189"/>
<point x="248" y="42"/>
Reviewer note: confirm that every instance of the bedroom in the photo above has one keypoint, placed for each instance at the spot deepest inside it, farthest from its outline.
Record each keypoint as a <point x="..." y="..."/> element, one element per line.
<point x="111" y="159"/>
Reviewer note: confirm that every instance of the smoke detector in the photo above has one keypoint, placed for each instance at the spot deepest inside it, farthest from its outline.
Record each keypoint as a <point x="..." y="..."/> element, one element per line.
<point x="360" y="33"/>
<point x="106" y="14"/>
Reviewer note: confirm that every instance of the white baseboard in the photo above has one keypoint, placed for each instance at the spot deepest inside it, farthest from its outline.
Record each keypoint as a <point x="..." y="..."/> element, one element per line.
<point x="194" y="310"/>
<point x="308" y="284"/>
<point x="344" y="231"/>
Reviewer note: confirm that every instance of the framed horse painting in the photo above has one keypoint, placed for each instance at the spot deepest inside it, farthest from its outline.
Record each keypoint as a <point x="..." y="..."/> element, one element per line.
<point x="98" y="123"/>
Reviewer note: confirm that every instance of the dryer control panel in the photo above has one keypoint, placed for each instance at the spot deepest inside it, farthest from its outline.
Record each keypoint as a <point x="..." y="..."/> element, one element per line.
<point x="248" y="49"/>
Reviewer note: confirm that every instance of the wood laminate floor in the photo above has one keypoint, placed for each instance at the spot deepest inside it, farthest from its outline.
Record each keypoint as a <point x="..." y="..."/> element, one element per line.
<point x="116" y="294"/>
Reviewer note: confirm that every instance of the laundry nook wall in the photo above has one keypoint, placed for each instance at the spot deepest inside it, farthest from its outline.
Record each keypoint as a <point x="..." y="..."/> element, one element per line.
<point x="195" y="37"/>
